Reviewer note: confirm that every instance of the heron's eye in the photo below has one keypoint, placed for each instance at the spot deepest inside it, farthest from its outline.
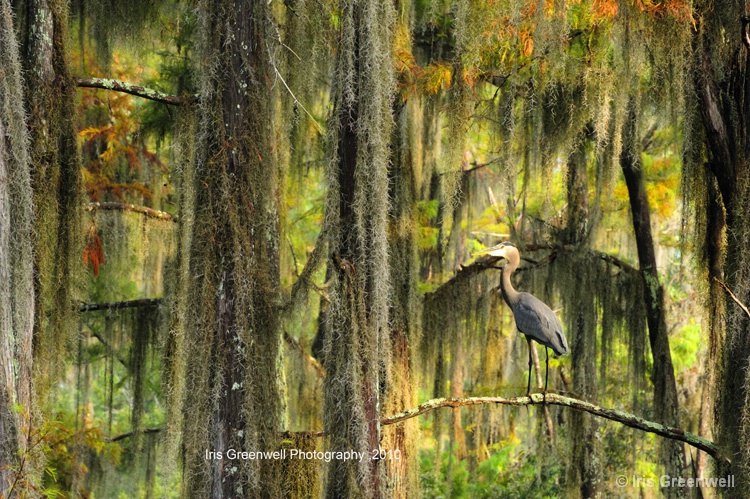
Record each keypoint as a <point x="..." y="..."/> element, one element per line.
<point x="502" y="247"/>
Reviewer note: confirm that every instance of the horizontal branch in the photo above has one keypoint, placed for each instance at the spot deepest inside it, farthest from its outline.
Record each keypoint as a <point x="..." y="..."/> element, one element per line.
<point x="625" y="418"/>
<point x="622" y="417"/>
<point x="138" y="91"/>
<point x="143" y="302"/>
<point x="129" y="434"/>
<point x="143" y="210"/>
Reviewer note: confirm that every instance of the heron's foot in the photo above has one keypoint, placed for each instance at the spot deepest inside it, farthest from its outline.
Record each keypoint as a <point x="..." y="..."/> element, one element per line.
<point x="544" y="397"/>
<point x="531" y="399"/>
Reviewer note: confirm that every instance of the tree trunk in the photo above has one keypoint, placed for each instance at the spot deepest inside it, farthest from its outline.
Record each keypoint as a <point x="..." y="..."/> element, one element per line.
<point x="232" y="398"/>
<point x="724" y="103"/>
<point x="56" y="178"/>
<point x="16" y="268"/>
<point x="665" y="387"/>
<point x="357" y="337"/>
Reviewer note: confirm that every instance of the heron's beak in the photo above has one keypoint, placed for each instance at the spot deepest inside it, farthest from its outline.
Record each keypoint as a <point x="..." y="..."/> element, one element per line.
<point x="484" y="251"/>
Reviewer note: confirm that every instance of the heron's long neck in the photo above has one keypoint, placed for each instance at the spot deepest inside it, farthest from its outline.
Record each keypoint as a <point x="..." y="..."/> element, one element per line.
<point x="509" y="294"/>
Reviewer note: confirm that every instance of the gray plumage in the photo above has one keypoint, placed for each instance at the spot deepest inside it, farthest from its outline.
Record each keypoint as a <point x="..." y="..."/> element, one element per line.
<point x="535" y="319"/>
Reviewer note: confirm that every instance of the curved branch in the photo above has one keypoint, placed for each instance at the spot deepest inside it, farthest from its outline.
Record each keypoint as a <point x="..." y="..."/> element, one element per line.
<point x="149" y="212"/>
<point x="138" y="91"/>
<point x="580" y="405"/>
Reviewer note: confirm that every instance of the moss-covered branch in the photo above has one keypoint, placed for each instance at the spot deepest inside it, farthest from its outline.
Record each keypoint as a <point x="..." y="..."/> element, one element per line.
<point x="149" y="212"/>
<point x="537" y="398"/>
<point x="138" y="91"/>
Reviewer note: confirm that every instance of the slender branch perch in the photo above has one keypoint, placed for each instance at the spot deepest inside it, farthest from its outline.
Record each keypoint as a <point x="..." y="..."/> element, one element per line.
<point x="138" y="91"/>
<point x="129" y="434"/>
<point x="149" y="212"/>
<point x="143" y="302"/>
<point x="613" y="415"/>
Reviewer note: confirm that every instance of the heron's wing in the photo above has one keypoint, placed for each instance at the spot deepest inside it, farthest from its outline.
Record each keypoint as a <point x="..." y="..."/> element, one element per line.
<point x="537" y="320"/>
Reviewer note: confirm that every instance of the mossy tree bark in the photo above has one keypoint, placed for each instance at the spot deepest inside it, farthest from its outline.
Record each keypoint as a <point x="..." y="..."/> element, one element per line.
<point x="587" y="470"/>
<point x="357" y="348"/>
<point x="232" y="398"/>
<point x="403" y="474"/>
<point x="16" y="267"/>
<point x="722" y="86"/>
<point x="56" y="178"/>
<point x="665" y="386"/>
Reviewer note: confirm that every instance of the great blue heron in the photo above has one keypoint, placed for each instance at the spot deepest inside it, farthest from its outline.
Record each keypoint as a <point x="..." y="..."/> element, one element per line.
<point x="533" y="318"/>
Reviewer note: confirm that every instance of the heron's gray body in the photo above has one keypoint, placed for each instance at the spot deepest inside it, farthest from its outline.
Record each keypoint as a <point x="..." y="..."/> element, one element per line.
<point x="536" y="320"/>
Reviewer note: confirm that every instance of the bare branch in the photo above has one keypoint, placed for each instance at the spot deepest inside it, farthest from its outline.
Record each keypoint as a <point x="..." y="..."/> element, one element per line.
<point x="143" y="302"/>
<point x="733" y="296"/>
<point x="138" y="91"/>
<point x="129" y="434"/>
<point x="149" y="212"/>
<point x="625" y="418"/>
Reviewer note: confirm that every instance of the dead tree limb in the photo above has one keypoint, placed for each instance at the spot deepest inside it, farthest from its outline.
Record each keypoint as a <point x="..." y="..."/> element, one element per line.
<point x="129" y="434"/>
<point x="149" y="212"/>
<point x="625" y="418"/>
<point x="138" y="91"/>
<point x="143" y="302"/>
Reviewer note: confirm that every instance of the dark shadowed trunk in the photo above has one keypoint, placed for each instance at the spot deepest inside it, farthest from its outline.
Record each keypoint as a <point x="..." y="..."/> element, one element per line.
<point x="665" y="388"/>
<point x="587" y="469"/>
<point x="722" y="85"/>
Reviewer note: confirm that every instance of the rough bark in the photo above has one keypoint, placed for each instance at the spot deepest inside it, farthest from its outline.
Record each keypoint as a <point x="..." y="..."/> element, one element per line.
<point x="665" y="386"/>
<point x="357" y="348"/>
<point x="16" y="270"/>
<point x="722" y="85"/>
<point x="56" y="178"/>
<point x="232" y="397"/>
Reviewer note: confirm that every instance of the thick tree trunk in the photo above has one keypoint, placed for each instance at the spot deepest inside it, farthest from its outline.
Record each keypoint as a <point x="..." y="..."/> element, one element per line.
<point x="56" y="178"/>
<point x="16" y="270"/>
<point x="357" y="347"/>
<point x="724" y="102"/>
<point x="232" y="396"/>
<point x="665" y="386"/>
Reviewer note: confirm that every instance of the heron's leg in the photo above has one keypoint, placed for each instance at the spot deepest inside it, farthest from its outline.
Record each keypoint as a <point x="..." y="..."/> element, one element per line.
<point x="528" y="386"/>
<point x="546" y="374"/>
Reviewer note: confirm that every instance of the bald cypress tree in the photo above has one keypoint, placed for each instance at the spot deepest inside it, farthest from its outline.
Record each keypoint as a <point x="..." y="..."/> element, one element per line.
<point x="56" y="178"/>
<point x="16" y="283"/>
<point x="231" y="333"/>
<point x="357" y="349"/>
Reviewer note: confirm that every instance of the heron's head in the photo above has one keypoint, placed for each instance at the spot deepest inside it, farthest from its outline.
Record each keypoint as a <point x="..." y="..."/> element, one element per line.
<point x="504" y="250"/>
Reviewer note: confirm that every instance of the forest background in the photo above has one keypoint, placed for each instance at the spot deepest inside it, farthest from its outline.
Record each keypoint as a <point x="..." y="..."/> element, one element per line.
<point x="250" y="225"/>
